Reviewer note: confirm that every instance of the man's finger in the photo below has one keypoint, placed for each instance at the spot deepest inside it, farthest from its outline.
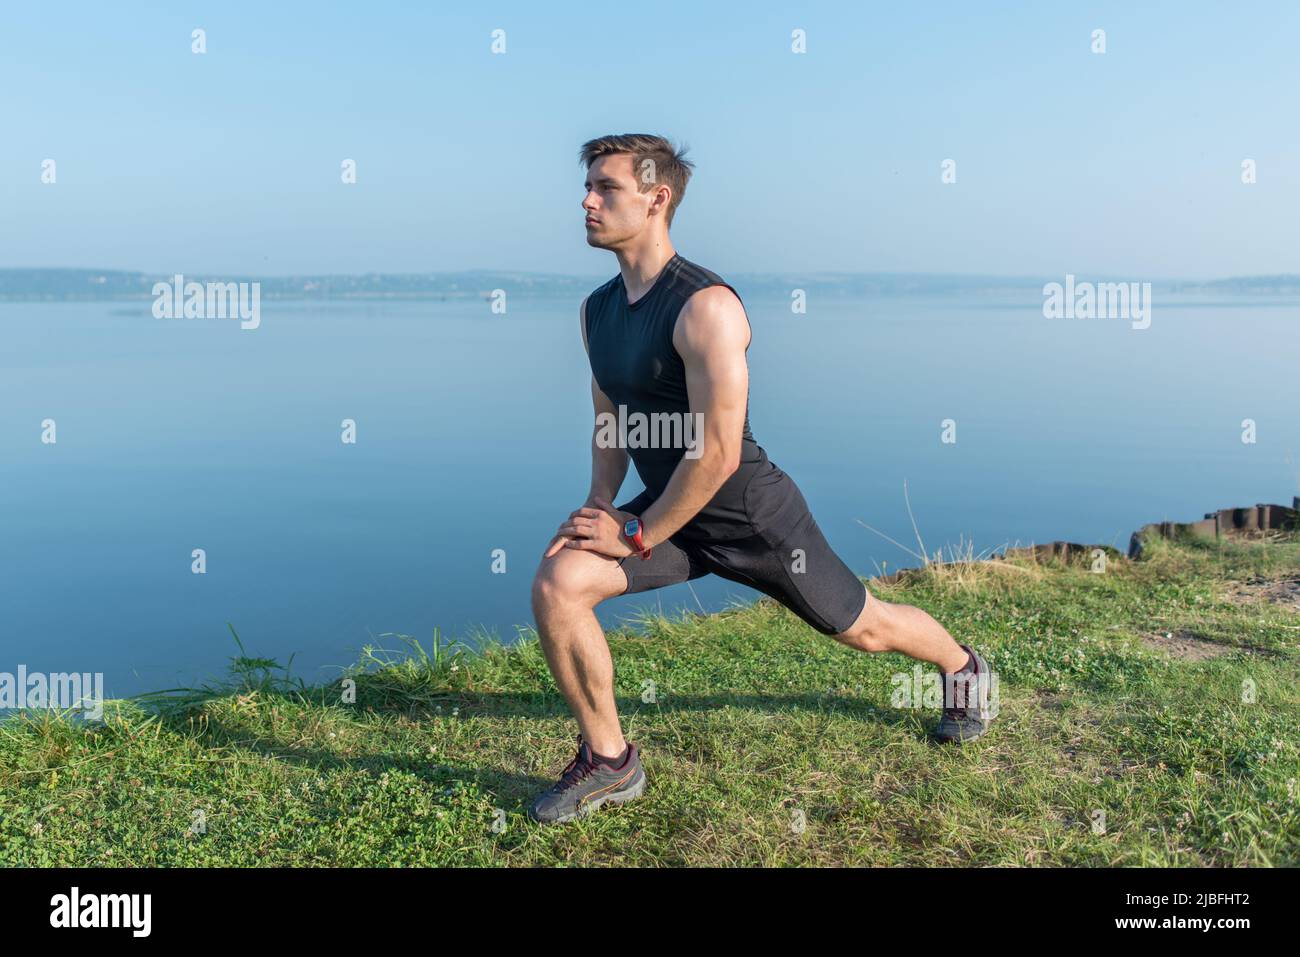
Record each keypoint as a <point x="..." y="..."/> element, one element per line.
<point x="557" y="543"/>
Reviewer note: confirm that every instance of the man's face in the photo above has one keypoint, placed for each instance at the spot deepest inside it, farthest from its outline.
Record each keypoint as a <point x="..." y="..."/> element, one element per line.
<point x="616" y="211"/>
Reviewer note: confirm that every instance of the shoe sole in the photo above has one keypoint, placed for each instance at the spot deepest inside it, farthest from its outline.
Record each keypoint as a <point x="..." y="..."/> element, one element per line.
<point x="634" y="790"/>
<point x="963" y="738"/>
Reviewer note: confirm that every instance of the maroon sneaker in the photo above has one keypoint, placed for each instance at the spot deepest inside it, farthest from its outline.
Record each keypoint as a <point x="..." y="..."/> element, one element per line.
<point x="587" y="784"/>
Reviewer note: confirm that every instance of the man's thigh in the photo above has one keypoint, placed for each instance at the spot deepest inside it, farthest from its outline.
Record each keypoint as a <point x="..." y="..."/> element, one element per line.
<point x="668" y="564"/>
<point x="799" y="569"/>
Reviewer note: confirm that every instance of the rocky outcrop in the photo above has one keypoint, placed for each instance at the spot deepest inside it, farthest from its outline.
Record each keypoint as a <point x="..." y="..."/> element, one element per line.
<point x="1223" y="523"/>
<point x="1064" y="551"/>
<point x="1227" y="522"/>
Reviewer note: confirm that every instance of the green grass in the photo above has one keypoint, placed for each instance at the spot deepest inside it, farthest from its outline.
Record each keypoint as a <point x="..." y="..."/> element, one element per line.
<point x="759" y="722"/>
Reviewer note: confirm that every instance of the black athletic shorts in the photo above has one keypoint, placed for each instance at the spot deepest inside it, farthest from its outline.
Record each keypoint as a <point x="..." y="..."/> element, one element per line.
<point x="791" y="562"/>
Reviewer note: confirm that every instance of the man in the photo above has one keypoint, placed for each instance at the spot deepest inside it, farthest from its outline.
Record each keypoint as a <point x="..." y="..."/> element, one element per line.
<point x="666" y="340"/>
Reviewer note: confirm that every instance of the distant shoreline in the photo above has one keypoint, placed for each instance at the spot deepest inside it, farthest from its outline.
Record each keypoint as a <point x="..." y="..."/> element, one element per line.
<point x="97" y="285"/>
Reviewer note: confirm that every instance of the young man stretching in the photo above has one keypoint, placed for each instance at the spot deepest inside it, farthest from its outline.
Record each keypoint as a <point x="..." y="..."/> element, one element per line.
<point x="666" y="337"/>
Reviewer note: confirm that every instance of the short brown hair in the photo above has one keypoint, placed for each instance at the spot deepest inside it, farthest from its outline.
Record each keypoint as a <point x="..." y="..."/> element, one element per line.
<point x="670" y="165"/>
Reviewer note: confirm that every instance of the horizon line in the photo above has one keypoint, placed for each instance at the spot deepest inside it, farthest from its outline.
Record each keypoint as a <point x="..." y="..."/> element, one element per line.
<point x="829" y="274"/>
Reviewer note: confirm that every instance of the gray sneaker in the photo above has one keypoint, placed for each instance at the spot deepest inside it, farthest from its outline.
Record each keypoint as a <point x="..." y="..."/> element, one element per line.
<point x="966" y="710"/>
<point x="587" y="784"/>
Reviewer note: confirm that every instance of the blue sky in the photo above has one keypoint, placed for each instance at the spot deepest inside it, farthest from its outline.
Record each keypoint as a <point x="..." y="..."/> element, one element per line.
<point x="1126" y="163"/>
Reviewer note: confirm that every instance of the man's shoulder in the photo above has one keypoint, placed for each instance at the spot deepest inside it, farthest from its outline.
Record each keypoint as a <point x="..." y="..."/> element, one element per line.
<point x="712" y="319"/>
<point x="702" y="288"/>
<point x="712" y="312"/>
<point x="692" y="274"/>
<point x="716" y="300"/>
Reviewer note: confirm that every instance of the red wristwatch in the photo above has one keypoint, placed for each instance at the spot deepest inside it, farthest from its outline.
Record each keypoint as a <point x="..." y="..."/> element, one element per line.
<point x="632" y="532"/>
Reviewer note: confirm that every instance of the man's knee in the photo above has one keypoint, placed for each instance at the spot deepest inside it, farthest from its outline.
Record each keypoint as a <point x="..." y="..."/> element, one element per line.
<point x="871" y="630"/>
<point x="575" y="578"/>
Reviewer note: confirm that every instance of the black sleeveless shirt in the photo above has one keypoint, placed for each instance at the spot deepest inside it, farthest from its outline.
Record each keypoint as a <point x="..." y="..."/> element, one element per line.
<point x="636" y="366"/>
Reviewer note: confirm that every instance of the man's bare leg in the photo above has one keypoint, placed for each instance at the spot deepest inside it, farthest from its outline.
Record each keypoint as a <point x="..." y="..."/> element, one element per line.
<point x="566" y="590"/>
<point x="883" y="626"/>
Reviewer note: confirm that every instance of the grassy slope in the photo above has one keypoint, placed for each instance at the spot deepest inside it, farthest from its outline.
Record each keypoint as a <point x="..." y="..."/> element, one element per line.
<point x="757" y="718"/>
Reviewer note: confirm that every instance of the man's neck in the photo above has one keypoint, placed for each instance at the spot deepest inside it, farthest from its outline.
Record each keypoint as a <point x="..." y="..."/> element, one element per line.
<point x="641" y="267"/>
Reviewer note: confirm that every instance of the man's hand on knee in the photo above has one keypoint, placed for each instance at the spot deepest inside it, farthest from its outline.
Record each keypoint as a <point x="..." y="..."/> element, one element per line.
<point x="597" y="528"/>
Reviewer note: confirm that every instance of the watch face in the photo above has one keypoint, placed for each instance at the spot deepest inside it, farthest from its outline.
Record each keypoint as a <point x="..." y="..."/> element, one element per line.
<point x="631" y="527"/>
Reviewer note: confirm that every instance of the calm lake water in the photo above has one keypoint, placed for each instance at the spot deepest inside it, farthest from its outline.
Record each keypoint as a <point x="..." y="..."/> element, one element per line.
<point x="473" y="434"/>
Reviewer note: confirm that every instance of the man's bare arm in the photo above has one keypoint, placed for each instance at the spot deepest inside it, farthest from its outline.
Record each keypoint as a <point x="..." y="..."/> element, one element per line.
<point x="608" y="466"/>
<point x="711" y="336"/>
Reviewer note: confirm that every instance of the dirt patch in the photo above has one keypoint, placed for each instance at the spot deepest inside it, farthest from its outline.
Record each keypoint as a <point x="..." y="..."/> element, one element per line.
<point x="1186" y="646"/>
<point x="1282" y="591"/>
<point x="1051" y="700"/>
